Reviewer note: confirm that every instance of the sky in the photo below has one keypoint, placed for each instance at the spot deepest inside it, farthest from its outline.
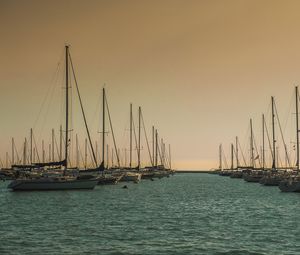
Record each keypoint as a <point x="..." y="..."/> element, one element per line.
<point x="199" y="70"/>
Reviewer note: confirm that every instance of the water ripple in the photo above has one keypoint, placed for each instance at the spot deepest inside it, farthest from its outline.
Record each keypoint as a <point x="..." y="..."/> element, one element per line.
<point x="184" y="214"/>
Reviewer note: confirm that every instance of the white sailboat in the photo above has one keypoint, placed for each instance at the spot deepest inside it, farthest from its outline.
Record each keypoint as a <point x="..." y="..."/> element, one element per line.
<point x="62" y="182"/>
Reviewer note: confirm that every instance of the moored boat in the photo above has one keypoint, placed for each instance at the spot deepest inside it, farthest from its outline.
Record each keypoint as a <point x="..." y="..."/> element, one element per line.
<point x="52" y="184"/>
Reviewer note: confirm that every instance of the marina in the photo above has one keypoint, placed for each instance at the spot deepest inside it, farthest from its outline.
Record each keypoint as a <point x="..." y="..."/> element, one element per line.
<point x="149" y="127"/>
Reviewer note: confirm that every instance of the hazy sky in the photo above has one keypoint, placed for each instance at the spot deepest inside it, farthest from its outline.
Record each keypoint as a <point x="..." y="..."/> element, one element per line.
<point x="199" y="69"/>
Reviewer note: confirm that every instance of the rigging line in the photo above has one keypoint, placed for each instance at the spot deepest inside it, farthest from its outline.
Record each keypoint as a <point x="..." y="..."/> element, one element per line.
<point x="288" y="111"/>
<point x="81" y="155"/>
<point x="85" y="122"/>
<point x="37" y="151"/>
<point x="16" y="151"/>
<point x="135" y="136"/>
<point x="243" y="156"/>
<point x="269" y="140"/>
<point x="279" y="160"/>
<point x="90" y="154"/>
<point x="56" y="146"/>
<point x="224" y="157"/>
<point x="47" y="108"/>
<point x="158" y="149"/>
<point x="1" y="163"/>
<point x="112" y="132"/>
<point x="245" y="148"/>
<point x="52" y="83"/>
<point x="282" y="137"/>
<point x="152" y="163"/>
<point x="96" y="113"/>
<point x="256" y="150"/>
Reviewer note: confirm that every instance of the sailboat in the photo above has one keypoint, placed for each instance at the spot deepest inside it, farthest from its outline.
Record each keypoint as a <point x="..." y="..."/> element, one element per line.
<point x="252" y="174"/>
<point x="63" y="182"/>
<point x="292" y="182"/>
<point x="133" y="174"/>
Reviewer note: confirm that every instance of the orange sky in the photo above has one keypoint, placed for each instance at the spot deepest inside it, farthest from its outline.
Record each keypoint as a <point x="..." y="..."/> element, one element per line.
<point x="199" y="69"/>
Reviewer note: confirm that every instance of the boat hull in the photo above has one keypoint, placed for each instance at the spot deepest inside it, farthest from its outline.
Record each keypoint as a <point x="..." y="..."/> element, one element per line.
<point x="289" y="186"/>
<point x="32" y="185"/>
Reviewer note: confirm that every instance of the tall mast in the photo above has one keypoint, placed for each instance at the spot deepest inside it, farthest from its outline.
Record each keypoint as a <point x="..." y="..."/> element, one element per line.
<point x="156" y="147"/>
<point x="130" y="150"/>
<point x="85" y="153"/>
<point x="112" y="157"/>
<point x="103" y="125"/>
<point x="77" y="152"/>
<point x="297" y="128"/>
<point x="237" y="152"/>
<point x="31" y="135"/>
<point x="232" y="156"/>
<point x="106" y="156"/>
<point x="60" y="143"/>
<point x="162" y="152"/>
<point x="43" y="152"/>
<point x="96" y="145"/>
<point x="263" y="141"/>
<point x="170" y="157"/>
<point x="251" y="144"/>
<point x="49" y="152"/>
<point x="220" y="157"/>
<point x="273" y="129"/>
<point x="24" y="152"/>
<point x="67" y="108"/>
<point x="52" y="145"/>
<point x="139" y="140"/>
<point x="153" y="144"/>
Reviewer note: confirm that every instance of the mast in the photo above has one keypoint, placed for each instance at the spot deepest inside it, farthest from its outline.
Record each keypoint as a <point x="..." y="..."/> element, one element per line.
<point x="297" y="128"/>
<point x="24" y="152"/>
<point x="31" y="135"/>
<point x="43" y="152"/>
<point x="112" y="157"/>
<point x="77" y="152"/>
<point x="237" y="152"/>
<point x="153" y="143"/>
<point x="106" y="156"/>
<point x="34" y="154"/>
<point x="170" y="157"/>
<point x="156" y="147"/>
<point x="273" y="130"/>
<point x="130" y="150"/>
<point x="263" y="142"/>
<point x="85" y="153"/>
<point x="67" y="108"/>
<point x="103" y="125"/>
<point x="251" y="145"/>
<point x="52" y="145"/>
<point x="232" y="156"/>
<point x="96" y="145"/>
<point x="60" y="143"/>
<point x="49" y="152"/>
<point x="162" y="152"/>
<point x="125" y="151"/>
<point x="220" y="157"/>
<point x="139" y="140"/>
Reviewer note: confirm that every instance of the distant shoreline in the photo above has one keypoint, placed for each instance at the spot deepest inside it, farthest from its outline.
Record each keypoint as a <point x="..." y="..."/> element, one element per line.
<point x="193" y="171"/>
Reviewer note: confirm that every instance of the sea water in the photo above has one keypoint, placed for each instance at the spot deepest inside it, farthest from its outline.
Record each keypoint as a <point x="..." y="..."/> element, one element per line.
<point x="183" y="214"/>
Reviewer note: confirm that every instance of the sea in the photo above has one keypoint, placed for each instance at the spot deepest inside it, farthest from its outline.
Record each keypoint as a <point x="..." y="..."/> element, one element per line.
<point x="188" y="213"/>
